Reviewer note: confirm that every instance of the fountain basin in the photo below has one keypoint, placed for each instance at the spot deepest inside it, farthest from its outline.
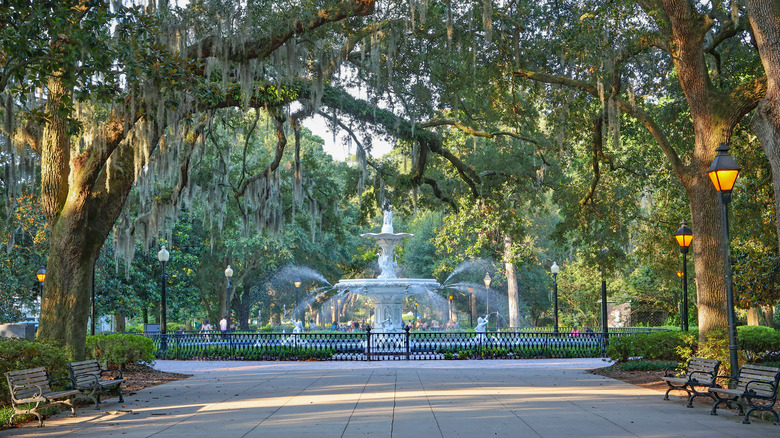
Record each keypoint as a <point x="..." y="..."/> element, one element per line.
<point x="387" y="294"/>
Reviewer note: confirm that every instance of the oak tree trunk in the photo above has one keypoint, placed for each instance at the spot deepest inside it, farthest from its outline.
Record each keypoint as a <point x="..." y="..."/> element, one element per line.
<point x="765" y="20"/>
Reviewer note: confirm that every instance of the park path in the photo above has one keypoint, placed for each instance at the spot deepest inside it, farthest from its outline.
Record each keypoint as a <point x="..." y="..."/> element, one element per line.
<point x="501" y="398"/>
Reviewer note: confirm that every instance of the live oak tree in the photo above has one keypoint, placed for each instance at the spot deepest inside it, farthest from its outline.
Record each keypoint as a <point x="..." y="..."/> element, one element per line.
<point x="118" y="85"/>
<point x="712" y="64"/>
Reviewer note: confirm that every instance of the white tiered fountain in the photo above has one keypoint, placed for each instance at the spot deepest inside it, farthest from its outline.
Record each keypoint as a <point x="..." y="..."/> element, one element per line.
<point x="387" y="291"/>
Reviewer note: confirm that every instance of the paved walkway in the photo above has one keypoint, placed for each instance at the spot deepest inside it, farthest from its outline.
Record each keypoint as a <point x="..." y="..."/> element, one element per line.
<point x="521" y="398"/>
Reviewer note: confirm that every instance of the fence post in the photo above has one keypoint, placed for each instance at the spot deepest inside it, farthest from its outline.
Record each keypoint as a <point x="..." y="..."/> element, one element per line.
<point x="368" y="342"/>
<point x="406" y="329"/>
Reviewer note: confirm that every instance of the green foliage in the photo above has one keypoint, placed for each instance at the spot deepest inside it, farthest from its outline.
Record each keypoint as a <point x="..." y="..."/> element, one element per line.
<point x="651" y="346"/>
<point x="756" y="345"/>
<point x="759" y="344"/>
<point x="220" y="352"/>
<point x="120" y="349"/>
<point x="21" y="354"/>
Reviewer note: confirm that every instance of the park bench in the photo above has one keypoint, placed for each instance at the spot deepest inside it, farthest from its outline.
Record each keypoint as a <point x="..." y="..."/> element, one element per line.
<point x="87" y="376"/>
<point x="34" y="386"/>
<point x="700" y="372"/>
<point x="755" y="386"/>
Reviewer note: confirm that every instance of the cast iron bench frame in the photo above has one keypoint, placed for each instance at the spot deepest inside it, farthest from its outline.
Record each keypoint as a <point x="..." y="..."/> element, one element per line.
<point x="699" y="372"/>
<point x="87" y="377"/>
<point x="755" y="386"/>
<point x="34" y="386"/>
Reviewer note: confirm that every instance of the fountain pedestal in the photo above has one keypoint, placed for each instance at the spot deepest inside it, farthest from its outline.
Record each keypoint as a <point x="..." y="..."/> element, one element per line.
<point x="387" y="291"/>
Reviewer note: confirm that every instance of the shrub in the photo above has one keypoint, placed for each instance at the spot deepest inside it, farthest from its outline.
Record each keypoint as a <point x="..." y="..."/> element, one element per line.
<point x="653" y="346"/>
<point x="758" y="343"/>
<point x="118" y="350"/>
<point x="20" y="354"/>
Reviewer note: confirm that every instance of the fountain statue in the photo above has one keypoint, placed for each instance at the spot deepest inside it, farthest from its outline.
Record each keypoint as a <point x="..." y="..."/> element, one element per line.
<point x="298" y="326"/>
<point x="482" y="323"/>
<point x="387" y="291"/>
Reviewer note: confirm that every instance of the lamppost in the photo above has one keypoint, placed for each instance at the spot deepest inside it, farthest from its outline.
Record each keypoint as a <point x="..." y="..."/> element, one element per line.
<point x="604" y="322"/>
<point x="680" y="305"/>
<point x="163" y="256"/>
<point x="487" y="281"/>
<point x="41" y="276"/>
<point x="228" y="274"/>
<point x="471" y="306"/>
<point x="450" y="317"/>
<point x="555" y="269"/>
<point x="92" y="303"/>
<point x="415" y="314"/>
<point x="723" y="172"/>
<point x="297" y="284"/>
<point x="684" y="237"/>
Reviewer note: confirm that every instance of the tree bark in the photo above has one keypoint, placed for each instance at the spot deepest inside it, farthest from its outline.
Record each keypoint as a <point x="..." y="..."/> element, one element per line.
<point x="80" y="223"/>
<point x="764" y="18"/>
<point x="511" y="283"/>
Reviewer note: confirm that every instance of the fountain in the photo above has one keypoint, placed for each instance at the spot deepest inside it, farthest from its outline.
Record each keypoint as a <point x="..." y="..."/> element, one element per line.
<point x="387" y="291"/>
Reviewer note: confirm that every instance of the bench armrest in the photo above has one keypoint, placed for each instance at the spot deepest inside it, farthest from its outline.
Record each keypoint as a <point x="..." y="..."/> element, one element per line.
<point x="38" y="394"/>
<point x="88" y="376"/>
<point x="114" y="370"/>
<point x="765" y="383"/>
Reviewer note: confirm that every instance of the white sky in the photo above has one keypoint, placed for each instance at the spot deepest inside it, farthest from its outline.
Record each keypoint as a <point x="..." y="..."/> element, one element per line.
<point x="338" y="149"/>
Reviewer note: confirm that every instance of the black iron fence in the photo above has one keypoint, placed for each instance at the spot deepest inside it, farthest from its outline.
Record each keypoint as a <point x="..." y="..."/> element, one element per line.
<point x="368" y="345"/>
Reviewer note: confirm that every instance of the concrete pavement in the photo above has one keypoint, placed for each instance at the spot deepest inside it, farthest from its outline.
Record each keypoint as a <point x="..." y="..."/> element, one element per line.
<point x="502" y="398"/>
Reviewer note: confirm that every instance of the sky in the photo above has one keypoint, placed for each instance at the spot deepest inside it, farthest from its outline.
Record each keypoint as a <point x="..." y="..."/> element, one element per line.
<point x="338" y="149"/>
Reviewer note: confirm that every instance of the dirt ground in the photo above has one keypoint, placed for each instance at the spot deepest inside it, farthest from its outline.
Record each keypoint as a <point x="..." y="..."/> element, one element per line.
<point x="646" y="379"/>
<point x="138" y="377"/>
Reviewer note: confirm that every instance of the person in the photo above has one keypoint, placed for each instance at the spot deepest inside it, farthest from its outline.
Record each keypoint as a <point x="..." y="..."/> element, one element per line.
<point x="180" y="331"/>
<point x="574" y="331"/>
<point x="223" y="326"/>
<point x="205" y="328"/>
<point x="588" y="332"/>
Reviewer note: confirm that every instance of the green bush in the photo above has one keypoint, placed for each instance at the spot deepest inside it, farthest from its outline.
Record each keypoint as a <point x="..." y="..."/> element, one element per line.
<point x="21" y="354"/>
<point x="758" y="343"/>
<point x="118" y="350"/>
<point x="668" y="345"/>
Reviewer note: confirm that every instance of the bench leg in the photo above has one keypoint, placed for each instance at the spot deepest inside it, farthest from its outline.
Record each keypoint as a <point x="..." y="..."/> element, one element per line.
<point x="672" y="387"/>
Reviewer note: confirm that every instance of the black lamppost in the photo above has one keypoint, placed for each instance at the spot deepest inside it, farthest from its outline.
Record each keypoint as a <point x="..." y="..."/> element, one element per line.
<point x="680" y="305"/>
<point x="604" y="322"/>
<point x="228" y="275"/>
<point x="92" y="304"/>
<point x="684" y="237"/>
<point x="555" y="269"/>
<point x="723" y="172"/>
<point x="297" y="284"/>
<point x="471" y="306"/>
<point x="163" y="255"/>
